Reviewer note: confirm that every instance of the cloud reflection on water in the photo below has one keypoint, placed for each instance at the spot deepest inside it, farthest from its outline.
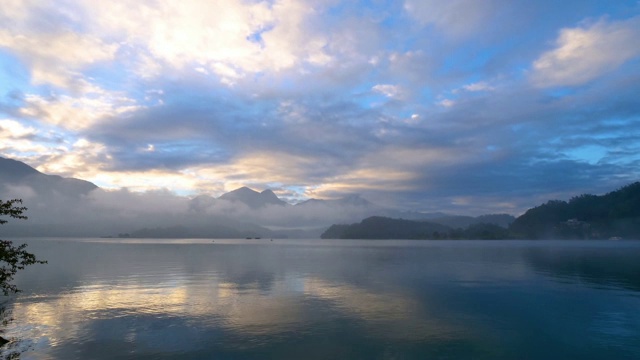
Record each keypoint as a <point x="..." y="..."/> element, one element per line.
<point x="325" y="298"/>
<point x="211" y="303"/>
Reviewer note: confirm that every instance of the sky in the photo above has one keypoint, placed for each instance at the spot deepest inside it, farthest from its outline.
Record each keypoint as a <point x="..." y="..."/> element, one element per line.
<point x="463" y="106"/>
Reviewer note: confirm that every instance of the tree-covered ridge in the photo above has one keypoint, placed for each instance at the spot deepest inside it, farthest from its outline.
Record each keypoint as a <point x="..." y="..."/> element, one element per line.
<point x="616" y="214"/>
<point x="378" y="227"/>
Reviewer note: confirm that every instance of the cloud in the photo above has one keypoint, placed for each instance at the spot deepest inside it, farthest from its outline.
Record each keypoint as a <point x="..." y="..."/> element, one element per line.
<point x="81" y="158"/>
<point x="22" y="192"/>
<point x="15" y="130"/>
<point x="587" y="52"/>
<point x="474" y="87"/>
<point x="232" y="39"/>
<point x="321" y="98"/>
<point x="391" y="91"/>
<point x="17" y="139"/>
<point x="56" y="57"/>
<point x="414" y="66"/>
<point x="446" y="102"/>
<point x="77" y="112"/>
<point x="458" y="18"/>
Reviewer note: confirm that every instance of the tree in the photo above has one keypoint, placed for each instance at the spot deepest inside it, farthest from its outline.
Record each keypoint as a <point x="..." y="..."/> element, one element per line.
<point x="12" y="257"/>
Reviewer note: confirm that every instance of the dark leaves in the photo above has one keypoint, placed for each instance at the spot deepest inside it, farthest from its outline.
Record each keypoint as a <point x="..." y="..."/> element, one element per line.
<point x="12" y="257"/>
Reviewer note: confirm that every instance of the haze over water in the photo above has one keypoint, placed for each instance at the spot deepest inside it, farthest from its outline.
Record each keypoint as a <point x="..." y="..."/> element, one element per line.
<point x="292" y="299"/>
<point x="281" y="118"/>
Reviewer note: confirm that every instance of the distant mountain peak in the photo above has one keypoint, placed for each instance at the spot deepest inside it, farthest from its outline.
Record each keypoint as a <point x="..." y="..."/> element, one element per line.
<point x="14" y="172"/>
<point x="348" y="200"/>
<point x="355" y="200"/>
<point x="270" y="195"/>
<point x="242" y="190"/>
<point x="253" y="198"/>
<point x="13" y="169"/>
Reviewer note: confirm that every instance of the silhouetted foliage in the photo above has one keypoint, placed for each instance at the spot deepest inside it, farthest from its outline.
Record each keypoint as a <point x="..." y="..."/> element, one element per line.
<point x="12" y="257"/>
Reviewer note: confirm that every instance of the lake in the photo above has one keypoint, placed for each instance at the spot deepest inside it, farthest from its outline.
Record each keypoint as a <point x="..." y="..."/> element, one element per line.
<point x="328" y="299"/>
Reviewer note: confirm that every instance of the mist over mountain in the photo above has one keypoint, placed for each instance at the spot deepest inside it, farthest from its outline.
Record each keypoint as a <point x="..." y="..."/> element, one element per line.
<point x="463" y="222"/>
<point x="349" y="200"/>
<point x="20" y="178"/>
<point x="615" y="215"/>
<point x="252" y="198"/>
<point x="60" y="206"/>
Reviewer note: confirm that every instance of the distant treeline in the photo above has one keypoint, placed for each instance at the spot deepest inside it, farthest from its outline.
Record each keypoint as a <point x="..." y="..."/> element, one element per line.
<point x="614" y="215"/>
<point x="378" y="227"/>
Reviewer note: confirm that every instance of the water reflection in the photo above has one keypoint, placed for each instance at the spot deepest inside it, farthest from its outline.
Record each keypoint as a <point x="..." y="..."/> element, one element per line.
<point x="234" y="299"/>
<point x="241" y="308"/>
<point x="252" y="297"/>
<point x="611" y="266"/>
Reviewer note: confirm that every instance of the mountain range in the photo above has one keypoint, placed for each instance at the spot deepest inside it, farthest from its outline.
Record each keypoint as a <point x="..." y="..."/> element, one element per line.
<point x="615" y="215"/>
<point x="252" y="198"/>
<point x="61" y="206"/>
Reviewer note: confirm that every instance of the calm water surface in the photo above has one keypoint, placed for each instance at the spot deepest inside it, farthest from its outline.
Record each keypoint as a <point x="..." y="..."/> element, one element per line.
<point x="323" y="299"/>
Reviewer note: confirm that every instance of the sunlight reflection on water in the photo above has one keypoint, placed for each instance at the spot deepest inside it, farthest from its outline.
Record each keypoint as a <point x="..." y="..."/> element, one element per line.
<point x="195" y="299"/>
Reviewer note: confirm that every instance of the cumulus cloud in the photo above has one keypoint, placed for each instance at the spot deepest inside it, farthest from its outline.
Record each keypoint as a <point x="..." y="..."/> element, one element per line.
<point x="81" y="158"/>
<point x="396" y="101"/>
<point x="77" y="112"/>
<point x="13" y="129"/>
<point x="229" y="38"/>
<point x="17" y="139"/>
<point x="446" y="102"/>
<point x="55" y="56"/>
<point x="391" y="91"/>
<point x="587" y="52"/>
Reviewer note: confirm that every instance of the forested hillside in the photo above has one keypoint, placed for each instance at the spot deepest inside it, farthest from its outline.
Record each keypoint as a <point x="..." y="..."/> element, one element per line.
<point x="616" y="214"/>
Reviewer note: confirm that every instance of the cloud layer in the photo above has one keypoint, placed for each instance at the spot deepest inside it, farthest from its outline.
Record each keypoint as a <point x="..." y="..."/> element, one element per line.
<point x="472" y="107"/>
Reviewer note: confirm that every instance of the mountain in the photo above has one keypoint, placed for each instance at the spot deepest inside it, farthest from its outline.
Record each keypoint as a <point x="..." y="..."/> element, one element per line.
<point x="201" y="202"/>
<point x="14" y="171"/>
<point x="502" y="220"/>
<point x="15" y="174"/>
<point x="379" y="227"/>
<point x="252" y="198"/>
<point x="615" y="214"/>
<point x="353" y="200"/>
<point x="463" y="222"/>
